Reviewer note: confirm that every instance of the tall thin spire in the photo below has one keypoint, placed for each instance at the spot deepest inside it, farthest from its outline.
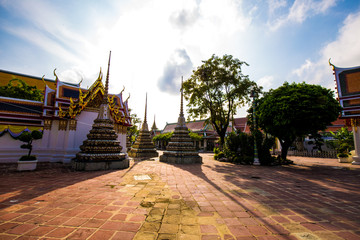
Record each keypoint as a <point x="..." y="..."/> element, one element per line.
<point x="145" y="108"/>
<point x="181" y="119"/>
<point x="181" y="103"/>
<point x="107" y="81"/>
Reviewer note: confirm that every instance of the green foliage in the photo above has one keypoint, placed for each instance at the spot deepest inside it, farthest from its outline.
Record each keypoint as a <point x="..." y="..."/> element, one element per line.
<point x="215" y="90"/>
<point x="195" y="136"/>
<point x="318" y="141"/>
<point x="239" y="147"/>
<point x="343" y="142"/>
<point x="295" y="110"/>
<point x="218" y="154"/>
<point x="164" y="138"/>
<point x="133" y="130"/>
<point x="28" y="138"/>
<point x="265" y="143"/>
<point x="17" y="88"/>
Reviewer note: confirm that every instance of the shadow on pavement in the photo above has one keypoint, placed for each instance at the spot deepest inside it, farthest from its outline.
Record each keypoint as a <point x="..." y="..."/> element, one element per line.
<point x="320" y="194"/>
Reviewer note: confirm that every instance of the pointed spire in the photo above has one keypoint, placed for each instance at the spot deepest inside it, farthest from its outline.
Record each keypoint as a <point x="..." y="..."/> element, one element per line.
<point x="107" y="82"/>
<point x="181" y="103"/>
<point x="154" y="127"/>
<point x="181" y="119"/>
<point x="145" y="125"/>
<point x="145" y="108"/>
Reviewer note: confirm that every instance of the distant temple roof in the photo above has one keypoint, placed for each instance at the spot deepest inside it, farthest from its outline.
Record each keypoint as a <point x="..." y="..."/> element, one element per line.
<point x="240" y="124"/>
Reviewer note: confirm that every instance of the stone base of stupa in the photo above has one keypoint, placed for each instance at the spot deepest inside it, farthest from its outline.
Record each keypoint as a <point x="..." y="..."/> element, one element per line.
<point x="180" y="157"/>
<point x="101" y="163"/>
<point x="142" y="154"/>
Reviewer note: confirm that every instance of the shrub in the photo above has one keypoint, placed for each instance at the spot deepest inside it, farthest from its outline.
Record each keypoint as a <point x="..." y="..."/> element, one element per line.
<point x="218" y="154"/>
<point x="28" y="139"/>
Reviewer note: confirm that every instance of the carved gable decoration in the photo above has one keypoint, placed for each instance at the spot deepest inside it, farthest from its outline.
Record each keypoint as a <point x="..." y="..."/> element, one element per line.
<point x="92" y="98"/>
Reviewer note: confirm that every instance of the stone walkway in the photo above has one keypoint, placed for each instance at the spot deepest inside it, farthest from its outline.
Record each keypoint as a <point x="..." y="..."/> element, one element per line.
<point x="315" y="199"/>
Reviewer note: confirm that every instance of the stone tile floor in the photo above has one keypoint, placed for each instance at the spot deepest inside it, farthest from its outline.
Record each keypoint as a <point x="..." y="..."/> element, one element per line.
<point x="314" y="199"/>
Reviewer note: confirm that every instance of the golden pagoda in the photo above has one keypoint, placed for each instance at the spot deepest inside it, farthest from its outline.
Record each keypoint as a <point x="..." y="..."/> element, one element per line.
<point x="143" y="148"/>
<point x="101" y="150"/>
<point x="181" y="148"/>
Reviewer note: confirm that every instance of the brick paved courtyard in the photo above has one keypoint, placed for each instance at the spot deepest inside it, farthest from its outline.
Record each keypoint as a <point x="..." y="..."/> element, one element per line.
<point x="315" y="199"/>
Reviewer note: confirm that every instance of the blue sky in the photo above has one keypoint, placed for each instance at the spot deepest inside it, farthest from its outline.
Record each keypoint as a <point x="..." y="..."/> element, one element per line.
<point x="155" y="42"/>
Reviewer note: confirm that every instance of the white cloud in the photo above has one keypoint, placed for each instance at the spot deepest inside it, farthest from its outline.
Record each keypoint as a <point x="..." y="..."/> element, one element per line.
<point x="300" y="11"/>
<point x="305" y="67"/>
<point x="266" y="82"/>
<point x="344" y="52"/>
<point x="274" y="5"/>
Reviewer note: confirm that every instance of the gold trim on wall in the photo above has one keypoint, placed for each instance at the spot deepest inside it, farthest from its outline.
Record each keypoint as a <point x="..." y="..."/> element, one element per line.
<point x="63" y="124"/>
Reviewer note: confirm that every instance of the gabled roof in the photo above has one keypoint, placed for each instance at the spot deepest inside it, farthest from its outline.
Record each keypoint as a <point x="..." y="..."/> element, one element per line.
<point x="194" y="126"/>
<point x="241" y="124"/>
<point x="117" y="109"/>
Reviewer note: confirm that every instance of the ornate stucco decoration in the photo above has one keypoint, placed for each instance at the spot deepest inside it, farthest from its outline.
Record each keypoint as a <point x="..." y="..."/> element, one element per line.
<point x="92" y="98"/>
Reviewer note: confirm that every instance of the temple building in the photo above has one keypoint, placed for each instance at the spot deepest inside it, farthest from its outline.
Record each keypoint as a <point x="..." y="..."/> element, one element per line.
<point x="65" y="116"/>
<point x="143" y="148"/>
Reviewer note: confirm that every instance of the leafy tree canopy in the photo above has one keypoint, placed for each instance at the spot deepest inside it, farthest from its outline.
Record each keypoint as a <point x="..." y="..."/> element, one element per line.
<point x="17" y="88"/>
<point x="216" y="89"/>
<point x="295" y="110"/>
<point x="195" y="136"/>
<point x="163" y="137"/>
<point x="133" y="130"/>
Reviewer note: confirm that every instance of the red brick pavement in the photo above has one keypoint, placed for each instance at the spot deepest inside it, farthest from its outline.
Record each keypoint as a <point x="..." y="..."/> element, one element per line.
<point x="315" y="199"/>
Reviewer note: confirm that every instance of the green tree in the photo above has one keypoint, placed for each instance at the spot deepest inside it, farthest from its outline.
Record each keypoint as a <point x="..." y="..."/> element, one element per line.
<point x="164" y="138"/>
<point x="133" y="131"/>
<point x="295" y="110"/>
<point x="215" y="90"/>
<point x="195" y="136"/>
<point x="17" y="88"/>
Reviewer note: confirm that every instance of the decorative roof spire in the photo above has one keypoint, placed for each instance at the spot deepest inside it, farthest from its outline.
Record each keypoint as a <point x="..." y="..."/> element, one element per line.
<point x="105" y="100"/>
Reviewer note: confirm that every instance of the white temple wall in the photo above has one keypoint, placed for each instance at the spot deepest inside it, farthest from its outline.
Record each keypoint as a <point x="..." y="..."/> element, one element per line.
<point x="56" y="145"/>
<point x="122" y="139"/>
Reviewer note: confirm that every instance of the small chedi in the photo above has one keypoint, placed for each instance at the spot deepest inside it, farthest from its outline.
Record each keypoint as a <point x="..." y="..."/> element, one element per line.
<point x="143" y="148"/>
<point x="181" y="148"/>
<point x="101" y="150"/>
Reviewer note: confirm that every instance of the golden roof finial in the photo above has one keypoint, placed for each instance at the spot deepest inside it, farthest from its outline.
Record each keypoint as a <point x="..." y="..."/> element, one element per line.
<point x="56" y="79"/>
<point x="43" y="80"/>
<point x="127" y="98"/>
<point x="122" y="90"/>
<point x="333" y="66"/>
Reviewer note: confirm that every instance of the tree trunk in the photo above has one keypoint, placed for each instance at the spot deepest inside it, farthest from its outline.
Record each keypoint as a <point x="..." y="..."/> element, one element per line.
<point x="222" y="142"/>
<point x="30" y="148"/>
<point x="284" y="149"/>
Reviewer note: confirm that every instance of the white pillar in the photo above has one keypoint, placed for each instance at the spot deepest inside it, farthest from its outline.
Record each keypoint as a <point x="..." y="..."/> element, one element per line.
<point x="356" y="157"/>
